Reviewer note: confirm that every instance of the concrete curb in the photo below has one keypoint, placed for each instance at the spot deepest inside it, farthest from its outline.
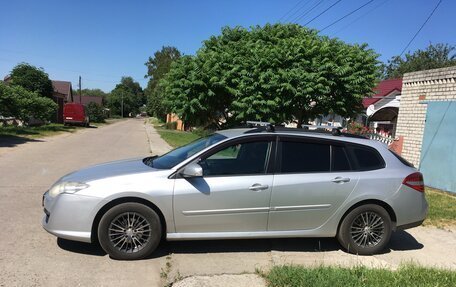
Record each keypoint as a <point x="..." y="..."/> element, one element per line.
<point x="157" y="145"/>
<point x="225" y="280"/>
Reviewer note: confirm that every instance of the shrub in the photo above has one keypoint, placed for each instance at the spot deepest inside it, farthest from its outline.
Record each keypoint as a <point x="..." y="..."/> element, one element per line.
<point x="95" y="113"/>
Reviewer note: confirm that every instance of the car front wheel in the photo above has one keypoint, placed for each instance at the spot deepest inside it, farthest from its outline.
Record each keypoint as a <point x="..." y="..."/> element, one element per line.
<point x="129" y="231"/>
<point x="365" y="230"/>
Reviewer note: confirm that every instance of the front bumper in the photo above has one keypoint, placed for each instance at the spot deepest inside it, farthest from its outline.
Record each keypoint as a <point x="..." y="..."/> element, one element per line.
<point x="70" y="216"/>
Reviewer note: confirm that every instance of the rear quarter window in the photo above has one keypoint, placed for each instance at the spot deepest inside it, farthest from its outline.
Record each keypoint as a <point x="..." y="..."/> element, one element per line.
<point x="366" y="158"/>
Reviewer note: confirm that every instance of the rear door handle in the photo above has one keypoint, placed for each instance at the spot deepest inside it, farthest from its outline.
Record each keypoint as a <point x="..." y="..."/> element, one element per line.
<point x="340" y="179"/>
<point x="258" y="187"/>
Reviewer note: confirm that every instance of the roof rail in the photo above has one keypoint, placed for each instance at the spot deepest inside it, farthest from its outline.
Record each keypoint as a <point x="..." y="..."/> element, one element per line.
<point x="264" y="125"/>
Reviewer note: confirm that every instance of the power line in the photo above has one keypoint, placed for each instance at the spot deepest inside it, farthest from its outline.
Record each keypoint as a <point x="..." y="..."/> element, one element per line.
<point x="417" y="32"/>
<point x="289" y="11"/>
<point x="357" y="19"/>
<point x="346" y="15"/>
<point x="299" y="17"/>
<point x="323" y="12"/>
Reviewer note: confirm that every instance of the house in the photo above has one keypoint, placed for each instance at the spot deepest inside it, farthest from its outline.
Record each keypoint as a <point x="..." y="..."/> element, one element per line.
<point x="63" y="93"/>
<point x="383" y="107"/>
<point x="85" y="100"/>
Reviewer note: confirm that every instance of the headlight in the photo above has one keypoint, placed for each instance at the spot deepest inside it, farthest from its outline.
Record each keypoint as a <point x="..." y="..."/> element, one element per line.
<point x="66" y="187"/>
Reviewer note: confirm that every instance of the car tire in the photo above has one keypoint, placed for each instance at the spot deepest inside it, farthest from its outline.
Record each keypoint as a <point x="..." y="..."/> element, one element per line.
<point x="129" y="231"/>
<point x="366" y="230"/>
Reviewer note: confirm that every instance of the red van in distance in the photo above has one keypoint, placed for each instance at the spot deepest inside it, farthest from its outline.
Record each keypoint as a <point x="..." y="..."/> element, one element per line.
<point x="74" y="113"/>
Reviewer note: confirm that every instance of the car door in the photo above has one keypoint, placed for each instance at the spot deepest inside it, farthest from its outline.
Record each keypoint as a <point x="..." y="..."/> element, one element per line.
<point x="234" y="192"/>
<point x="313" y="178"/>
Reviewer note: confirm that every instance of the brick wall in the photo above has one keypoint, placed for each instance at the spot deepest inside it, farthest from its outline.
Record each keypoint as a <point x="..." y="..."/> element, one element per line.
<point x="417" y="89"/>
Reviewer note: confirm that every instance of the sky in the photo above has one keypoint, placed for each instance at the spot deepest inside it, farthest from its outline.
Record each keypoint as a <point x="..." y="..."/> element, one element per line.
<point x="103" y="40"/>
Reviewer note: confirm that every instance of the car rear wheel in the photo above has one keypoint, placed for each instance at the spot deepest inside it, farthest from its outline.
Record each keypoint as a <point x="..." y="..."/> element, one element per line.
<point x="129" y="231"/>
<point x="365" y="230"/>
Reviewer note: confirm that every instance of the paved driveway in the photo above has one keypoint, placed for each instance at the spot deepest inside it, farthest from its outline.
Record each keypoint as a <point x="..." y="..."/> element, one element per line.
<point x="30" y="256"/>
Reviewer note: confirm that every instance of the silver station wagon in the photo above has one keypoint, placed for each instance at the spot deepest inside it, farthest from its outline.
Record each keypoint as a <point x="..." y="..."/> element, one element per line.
<point x="258" y="182"/>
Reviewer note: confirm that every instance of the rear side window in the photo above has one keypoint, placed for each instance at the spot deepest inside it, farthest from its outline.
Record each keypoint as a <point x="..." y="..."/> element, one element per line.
<point x="300" y="157"/>
<point x="340" y="160"/>
<point x="367" y="158"/>
<point x="401" y="159"/>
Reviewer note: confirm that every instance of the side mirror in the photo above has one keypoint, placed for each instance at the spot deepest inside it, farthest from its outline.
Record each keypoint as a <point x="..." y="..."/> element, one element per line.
<point x="192" y="170"/>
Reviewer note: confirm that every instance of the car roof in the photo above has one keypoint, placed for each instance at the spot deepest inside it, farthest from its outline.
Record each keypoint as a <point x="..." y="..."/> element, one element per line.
<point x="238" y="132"/>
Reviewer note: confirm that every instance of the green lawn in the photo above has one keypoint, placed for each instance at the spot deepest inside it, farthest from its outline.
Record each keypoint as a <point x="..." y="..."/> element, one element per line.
<point x="36" y="132"/>
<point x="358" y="276"/>
<point x="172" y="137"/>
<point x="442" y="208"/>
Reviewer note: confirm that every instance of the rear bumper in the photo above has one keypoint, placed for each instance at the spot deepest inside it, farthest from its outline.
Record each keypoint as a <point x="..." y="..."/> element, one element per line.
<point x="410" y="225"/>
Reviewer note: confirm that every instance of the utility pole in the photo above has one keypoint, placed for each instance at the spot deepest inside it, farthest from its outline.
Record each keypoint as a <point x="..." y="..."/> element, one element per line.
<point x="80" y="91"/>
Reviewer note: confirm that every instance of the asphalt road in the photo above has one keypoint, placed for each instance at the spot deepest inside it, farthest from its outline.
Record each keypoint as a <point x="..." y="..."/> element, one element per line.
<point x="29" y="256"/>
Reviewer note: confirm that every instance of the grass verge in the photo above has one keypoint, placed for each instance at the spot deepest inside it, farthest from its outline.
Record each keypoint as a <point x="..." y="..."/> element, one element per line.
<point x="407" y="275"/>
<point x="38" y="131"/>
<point x="442" y="208"/>
<point x="173" y="137"/>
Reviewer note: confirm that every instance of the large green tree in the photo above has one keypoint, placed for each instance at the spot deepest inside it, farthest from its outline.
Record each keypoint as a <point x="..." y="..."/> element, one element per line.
<point x="433" y="57"/>
<point x="157" y="67"/>
<point x="277" y="73"/>
<point x="127" y="93"/>
<point x="15" y="101"/>
<point x="32" y="79"/>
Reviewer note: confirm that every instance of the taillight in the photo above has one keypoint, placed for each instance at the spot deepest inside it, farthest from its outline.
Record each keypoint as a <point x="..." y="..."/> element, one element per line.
<point x="415" y="181"/>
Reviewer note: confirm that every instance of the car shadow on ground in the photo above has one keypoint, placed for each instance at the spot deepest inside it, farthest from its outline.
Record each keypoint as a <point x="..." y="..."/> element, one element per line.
<point x="81" y="247"/>
<point x="12" y="141"/>
<point x="400" y="241"/>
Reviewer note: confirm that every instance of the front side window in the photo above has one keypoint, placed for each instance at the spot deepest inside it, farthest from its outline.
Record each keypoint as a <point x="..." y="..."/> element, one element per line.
<point x="180" y="154"/>
<point x="302" y="157"/>
<point x="238" y="159"/>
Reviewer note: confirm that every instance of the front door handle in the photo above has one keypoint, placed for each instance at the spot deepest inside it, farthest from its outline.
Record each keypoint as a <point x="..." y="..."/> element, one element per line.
<point x="340" y="179"/>
<point x="258" y="187"/>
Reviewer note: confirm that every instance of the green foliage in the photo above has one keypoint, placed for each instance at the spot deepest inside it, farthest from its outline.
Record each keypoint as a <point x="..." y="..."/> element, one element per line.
<point x="95" y="113"/>
<point x="32" y="79"/>
<point x="157" y="67"/>
<point x="433" y="57"/>
<point x="130" y="93"/>
<point x="274" y="73"/>
<point x="15" y="101"/>
<point x="407" y="275"/>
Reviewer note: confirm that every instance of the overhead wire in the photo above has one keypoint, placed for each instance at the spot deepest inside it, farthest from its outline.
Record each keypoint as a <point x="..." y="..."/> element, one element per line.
<point x="299" y="17"/>
<point x="285" y="16"/>
<point x="361" y="16"/>
<point x="323" y="12"/>
<point x="346" y="15"/>
<point x="419" y="30"/>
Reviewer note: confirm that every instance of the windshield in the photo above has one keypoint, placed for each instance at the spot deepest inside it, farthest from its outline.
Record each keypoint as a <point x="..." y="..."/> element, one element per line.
<point x="180" y="154"/>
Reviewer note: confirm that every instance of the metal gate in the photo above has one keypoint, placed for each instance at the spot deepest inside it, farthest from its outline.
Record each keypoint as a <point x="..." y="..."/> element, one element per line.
<point x="438" y="153"/>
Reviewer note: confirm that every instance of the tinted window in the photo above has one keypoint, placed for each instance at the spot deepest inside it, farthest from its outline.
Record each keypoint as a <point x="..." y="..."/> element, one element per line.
<point x="403" y="160"/>
<point x="367" y="158"/>
<point x="304" y="157"/>
<point x="339" y="159"/>
<point x="243" y="158"/>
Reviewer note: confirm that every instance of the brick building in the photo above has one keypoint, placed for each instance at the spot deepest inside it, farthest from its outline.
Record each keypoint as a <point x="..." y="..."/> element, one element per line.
<point x="426" y="125"/>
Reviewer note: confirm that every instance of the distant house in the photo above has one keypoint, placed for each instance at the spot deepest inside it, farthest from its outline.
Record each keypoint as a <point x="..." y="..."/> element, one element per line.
<point x="63" y="93"/>
<point x="85" y="100"/>
<point x="382" y="108"/>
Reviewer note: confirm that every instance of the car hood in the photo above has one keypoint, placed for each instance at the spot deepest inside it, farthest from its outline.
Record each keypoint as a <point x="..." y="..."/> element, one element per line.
<point x="109" y="169"/>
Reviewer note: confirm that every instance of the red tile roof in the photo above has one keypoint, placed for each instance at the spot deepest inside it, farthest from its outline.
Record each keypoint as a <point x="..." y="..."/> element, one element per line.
<point x="383" y="89"/>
